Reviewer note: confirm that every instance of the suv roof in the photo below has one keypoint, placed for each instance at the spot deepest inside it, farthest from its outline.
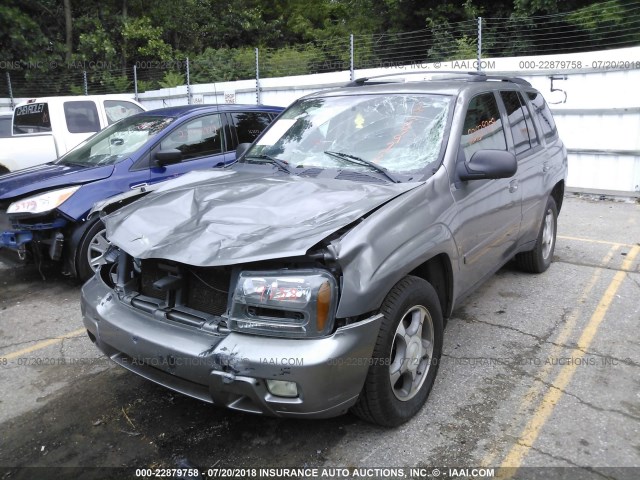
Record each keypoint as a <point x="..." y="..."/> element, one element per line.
<point x="453" y="76"/>
<point x="441" y="82"/>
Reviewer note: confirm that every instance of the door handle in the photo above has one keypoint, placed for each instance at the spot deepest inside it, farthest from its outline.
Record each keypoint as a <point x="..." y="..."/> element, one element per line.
<point x="513" y="186"/>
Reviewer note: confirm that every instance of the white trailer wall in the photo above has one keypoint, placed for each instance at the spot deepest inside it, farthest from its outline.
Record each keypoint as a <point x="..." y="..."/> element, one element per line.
<point x="596" y="105"/>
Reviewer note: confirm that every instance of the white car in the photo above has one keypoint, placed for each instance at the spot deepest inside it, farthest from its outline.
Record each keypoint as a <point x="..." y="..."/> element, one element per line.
<point x="43" y="129"/>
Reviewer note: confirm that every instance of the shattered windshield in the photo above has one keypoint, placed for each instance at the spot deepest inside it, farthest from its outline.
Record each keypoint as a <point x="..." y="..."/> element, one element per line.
<point x="116" y="142"/>
<point x="401" y="133"/>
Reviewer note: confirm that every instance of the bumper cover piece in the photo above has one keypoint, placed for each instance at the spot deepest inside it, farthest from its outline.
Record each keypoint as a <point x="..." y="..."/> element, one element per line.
<point x="231" y="370"/>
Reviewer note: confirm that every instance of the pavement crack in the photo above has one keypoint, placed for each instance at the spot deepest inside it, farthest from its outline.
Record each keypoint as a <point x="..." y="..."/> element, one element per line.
<point x="593" y="265"/>
<point x="17" y="344"/>
<point x="61" y="348"/>
<point x="568" y="346"/>
<point x="584" y="402"/>
<point x="38" y="340"/>
<point x="625" y="361"/>
<point x="508" y="327"/>
<point x="566" y="460"/>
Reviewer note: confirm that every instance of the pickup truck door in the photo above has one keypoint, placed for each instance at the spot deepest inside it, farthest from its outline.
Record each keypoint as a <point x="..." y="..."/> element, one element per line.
<point x="204" y="143"/>
<point x="489" y="211"/>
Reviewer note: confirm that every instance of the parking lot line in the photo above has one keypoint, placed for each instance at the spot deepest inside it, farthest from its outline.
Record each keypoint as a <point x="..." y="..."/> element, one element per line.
<point x="558" y="343"/>
<point x="527" y="438"/>
<point x="42" y="344"/>
<point x="592" y="240"/>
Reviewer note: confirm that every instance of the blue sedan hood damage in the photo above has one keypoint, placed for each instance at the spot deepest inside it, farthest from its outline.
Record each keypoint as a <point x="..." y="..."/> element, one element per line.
<point x="47" y="177"/>
<point x="227" y="217"/>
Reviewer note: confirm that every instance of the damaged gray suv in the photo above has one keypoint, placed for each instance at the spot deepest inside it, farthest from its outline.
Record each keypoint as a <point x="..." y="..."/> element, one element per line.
<point x="314" y="275"/>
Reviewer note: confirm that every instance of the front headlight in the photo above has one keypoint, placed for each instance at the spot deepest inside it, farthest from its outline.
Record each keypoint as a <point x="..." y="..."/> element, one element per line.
<point x="42" y="202"/>
<point x="294" y="304"/>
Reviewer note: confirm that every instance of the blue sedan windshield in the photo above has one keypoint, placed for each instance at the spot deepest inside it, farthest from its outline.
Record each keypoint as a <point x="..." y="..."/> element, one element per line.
<point x="117" y="141"/>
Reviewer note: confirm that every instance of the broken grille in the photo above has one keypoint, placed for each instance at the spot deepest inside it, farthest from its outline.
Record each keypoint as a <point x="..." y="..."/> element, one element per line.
<point x="203" y="289"/>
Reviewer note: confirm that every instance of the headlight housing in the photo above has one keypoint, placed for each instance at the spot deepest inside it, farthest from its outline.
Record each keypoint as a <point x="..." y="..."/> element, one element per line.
<point x="42" y="202"/>
<point x="296" y="304"/>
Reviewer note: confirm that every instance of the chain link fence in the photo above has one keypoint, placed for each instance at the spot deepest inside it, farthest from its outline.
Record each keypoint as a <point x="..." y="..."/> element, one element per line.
<point x="601" y="29"/>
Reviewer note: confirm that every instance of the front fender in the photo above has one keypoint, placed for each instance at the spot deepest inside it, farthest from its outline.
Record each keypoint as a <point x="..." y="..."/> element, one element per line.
<point x="392" y="242"/>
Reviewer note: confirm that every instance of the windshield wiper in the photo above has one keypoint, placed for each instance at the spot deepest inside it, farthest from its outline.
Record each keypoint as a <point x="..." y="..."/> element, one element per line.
<point x="357" y="160"/>
<point x="281" y="164"/>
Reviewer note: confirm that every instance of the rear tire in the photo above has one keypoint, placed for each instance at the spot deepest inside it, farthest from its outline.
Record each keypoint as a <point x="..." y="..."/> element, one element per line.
<point x="91" y="250"/>
<point x="406" y="355"/>
<point x="538" y="259"/>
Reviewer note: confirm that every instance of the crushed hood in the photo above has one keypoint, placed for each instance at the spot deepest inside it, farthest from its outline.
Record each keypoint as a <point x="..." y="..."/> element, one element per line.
<point x="226" y="217"/>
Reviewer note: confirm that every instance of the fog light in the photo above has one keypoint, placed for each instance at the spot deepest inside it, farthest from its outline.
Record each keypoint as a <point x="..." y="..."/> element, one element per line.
<point x="282" y="388"/>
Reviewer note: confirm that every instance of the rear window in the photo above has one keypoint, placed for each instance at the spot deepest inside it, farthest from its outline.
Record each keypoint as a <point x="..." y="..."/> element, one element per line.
<point x="31" y="118"/>
<point x="81" y="117"/>
<point x="119" y="109"/>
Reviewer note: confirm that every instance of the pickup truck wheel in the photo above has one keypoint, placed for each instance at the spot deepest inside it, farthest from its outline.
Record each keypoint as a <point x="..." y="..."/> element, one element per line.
<point x="539" y="258"/>
<point x="91" y="250"/>
<point x="406" y="355"/>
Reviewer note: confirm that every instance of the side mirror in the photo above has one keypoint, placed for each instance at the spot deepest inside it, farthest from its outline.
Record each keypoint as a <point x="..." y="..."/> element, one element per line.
<point x="242" y="149"/>
<point x="488" y="164"/>
<point x="168" y="157"/>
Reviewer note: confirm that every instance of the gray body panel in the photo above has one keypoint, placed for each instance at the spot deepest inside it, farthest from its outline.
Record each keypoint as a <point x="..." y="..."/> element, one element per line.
<point x="230" y="370"/>
<point x="234" y="217"/>
<point x="238" y="217"/>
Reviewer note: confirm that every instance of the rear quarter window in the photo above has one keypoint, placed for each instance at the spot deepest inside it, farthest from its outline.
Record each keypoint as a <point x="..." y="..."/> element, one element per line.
<point x="31" y="118"/>
<point x="81" y="116"/>
<point x="119" y="109"/>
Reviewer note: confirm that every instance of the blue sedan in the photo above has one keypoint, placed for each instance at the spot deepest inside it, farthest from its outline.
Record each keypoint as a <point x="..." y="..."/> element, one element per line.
<point x="44" y="209"/>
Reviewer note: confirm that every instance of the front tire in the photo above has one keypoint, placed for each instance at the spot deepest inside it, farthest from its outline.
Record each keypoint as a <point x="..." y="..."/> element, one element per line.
<point x="406" y="355"/>
<point x="91" y="250"/>
<point x="539" y="258"/>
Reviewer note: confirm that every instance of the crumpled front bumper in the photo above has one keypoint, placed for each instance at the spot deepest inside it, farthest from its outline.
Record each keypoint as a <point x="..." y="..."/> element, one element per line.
<point x="16" y="238"/>
<point x="231" y="370"/>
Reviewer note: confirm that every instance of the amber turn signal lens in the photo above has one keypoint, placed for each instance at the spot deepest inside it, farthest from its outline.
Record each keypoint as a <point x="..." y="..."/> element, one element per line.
<point x="324" y="302"/>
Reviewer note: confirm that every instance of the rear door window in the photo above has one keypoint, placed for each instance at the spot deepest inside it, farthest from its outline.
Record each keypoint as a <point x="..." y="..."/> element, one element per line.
<point x="196" y="138"/>
<point x="542" y="112"/>
<point x="533" y="135"/>
<point x="81" y="116"/>
<point x="482" y="126"/>
<point x="250" y="124"/>
<point x="119" y="109"/>
<point x="524" y="135"/>
<point x="31" y="118"/>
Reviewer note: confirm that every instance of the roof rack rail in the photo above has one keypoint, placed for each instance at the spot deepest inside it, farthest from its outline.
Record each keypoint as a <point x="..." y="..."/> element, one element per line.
<point x="473" y="76"/>
<point x="518" y="80"/>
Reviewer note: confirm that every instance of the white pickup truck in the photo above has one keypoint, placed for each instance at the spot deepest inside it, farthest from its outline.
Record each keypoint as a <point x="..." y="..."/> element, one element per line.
<point x="45" y="128"/>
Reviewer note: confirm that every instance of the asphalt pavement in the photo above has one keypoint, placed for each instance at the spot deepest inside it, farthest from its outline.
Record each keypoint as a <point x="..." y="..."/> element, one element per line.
<point x="540" y="375"/>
